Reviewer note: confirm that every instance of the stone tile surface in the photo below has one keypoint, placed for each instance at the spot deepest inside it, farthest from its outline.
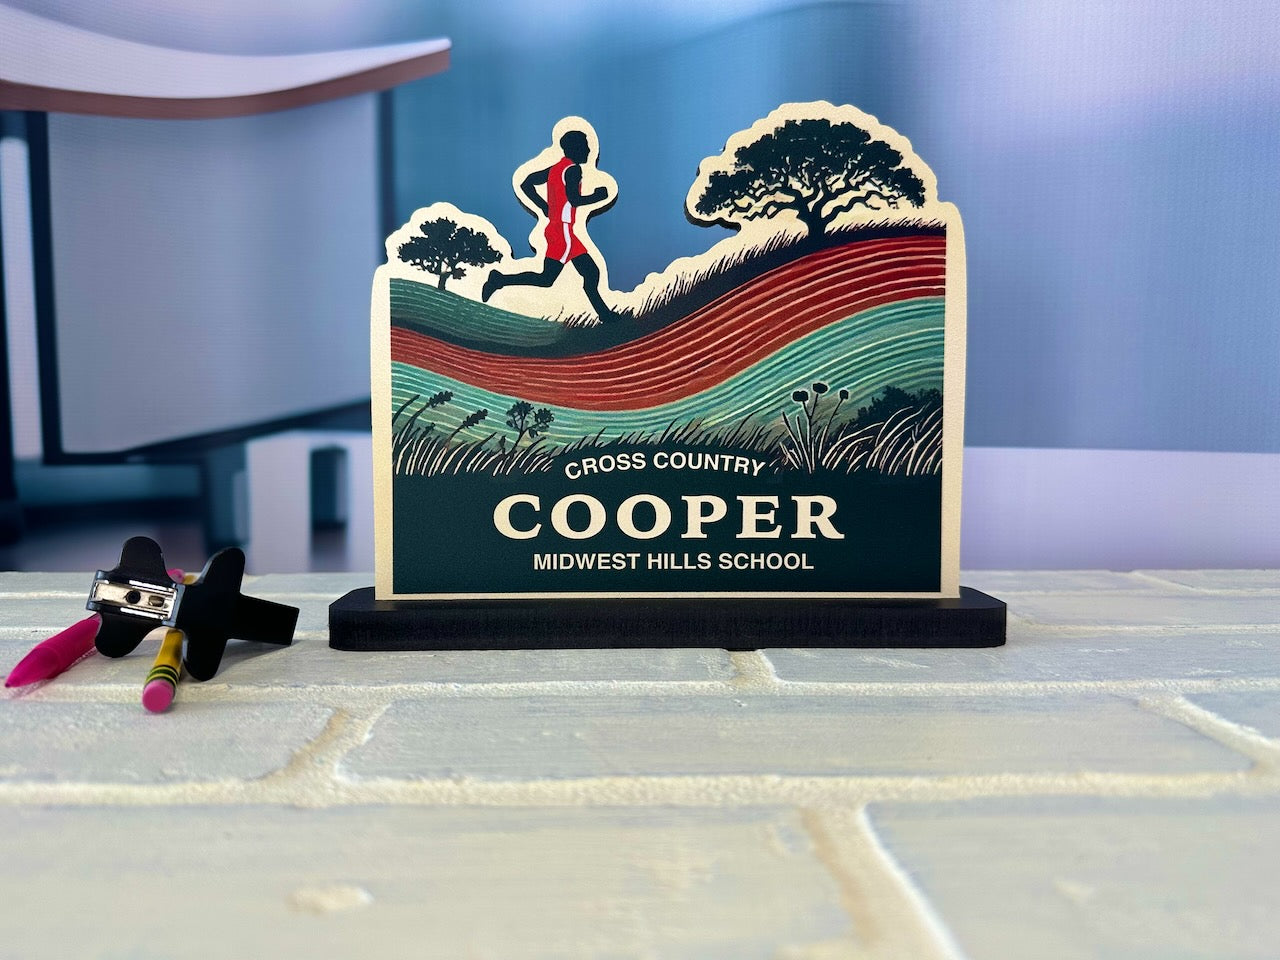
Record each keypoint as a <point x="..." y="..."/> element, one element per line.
<point x="1102" y="786"/>
<point x="1258" y="710"/>
<point x="123" y="743"/>
<point x="41" y="615"/>
<point x="523" y="738"/>
<point x="1059" y="879"/>
<point x="1126" y="610"/>
<point x="1036" y="654"/>
<point x="1001" y="583"/>
<point x="17" y="584"/>
<point x="404" y="882"/>
<point x="1222" y="580"/>
<point x="310" y="662"/>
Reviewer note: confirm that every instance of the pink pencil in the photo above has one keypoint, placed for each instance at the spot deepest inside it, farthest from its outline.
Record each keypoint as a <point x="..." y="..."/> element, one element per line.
<point x="50" y="657"/>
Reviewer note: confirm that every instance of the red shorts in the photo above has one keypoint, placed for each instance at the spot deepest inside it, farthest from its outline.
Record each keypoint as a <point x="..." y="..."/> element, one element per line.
<point x="562" y="245"/>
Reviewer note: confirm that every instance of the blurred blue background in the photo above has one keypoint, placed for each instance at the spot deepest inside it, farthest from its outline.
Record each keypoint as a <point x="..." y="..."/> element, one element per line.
<point x="1115" y="164"/>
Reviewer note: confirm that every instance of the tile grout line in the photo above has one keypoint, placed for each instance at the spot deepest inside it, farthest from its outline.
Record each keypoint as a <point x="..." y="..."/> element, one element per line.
<point x="1024" y="688"/>
<point x="892" y="919"/>
<point x="753" y="674"/>
<point x="1043" y="628"/>
<point x="313" y="770"/>
<point x="1263" y="751"/>
<point x="1182" y="589"/>
<point x="313" y="780"/>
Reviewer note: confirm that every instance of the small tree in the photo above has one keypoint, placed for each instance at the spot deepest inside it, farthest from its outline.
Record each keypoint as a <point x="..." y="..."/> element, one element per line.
<point x="893" y="399"/>
<point x="526" y="421"/>
<point x="443" y="247"/>
<point x="816" y="168"/>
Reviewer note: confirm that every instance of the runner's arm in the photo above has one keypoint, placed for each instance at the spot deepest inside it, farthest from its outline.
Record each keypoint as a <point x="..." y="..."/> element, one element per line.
<point x="530" y="189"/>
<point x="573" y="188"/>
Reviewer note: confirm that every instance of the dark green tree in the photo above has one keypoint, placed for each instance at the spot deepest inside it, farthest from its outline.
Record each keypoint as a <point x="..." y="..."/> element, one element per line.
<point x="443" y="248"/>
<point x="891" y="400"/>
<point x="815" y="168"/>
<point x="527" y="422"/>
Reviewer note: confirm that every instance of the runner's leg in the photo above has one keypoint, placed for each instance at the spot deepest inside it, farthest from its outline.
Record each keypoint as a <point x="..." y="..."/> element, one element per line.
<point x="530" y="278"/>
<point x="591" y="284"/>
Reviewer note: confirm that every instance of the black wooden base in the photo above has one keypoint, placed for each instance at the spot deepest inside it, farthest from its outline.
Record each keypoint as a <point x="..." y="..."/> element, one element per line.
<point x="359" y="622"/>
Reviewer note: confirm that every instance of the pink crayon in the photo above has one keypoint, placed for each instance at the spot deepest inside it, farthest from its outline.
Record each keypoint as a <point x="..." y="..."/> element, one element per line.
<point x="50" y="657"/>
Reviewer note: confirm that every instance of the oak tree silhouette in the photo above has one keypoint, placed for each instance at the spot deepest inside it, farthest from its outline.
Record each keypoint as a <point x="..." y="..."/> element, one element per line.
<point x="443" y="248"/>
<point x="813" y="167"/>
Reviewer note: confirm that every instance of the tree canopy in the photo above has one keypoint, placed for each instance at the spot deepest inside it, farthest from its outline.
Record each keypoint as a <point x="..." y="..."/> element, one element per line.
<point x="814" y="167"/>
<point x="443" y="248"/>
<point x="528" y="422"/>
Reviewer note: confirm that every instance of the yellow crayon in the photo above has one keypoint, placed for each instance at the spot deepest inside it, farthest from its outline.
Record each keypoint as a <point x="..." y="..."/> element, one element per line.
<point x="162" y="681"/>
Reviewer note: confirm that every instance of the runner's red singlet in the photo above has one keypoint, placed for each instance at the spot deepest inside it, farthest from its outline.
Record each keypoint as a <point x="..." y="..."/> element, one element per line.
<point x="562" y="243"/>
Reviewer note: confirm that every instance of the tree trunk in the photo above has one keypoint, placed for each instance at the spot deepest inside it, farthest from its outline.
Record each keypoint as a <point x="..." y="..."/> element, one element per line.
<point x="815" y="225"/>
<point x="440" y="285"/>
<point x="812" y="219"/>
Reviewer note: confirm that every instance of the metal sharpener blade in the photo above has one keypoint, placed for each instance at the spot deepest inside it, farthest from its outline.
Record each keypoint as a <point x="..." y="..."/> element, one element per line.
<point x="135" y="598"/>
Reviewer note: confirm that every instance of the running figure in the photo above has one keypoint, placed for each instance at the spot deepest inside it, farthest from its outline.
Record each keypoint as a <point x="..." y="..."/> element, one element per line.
<point x="563" y="183"/>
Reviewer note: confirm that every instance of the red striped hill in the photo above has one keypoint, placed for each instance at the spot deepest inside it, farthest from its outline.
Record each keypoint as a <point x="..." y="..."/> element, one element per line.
<point x="709" y="345"/>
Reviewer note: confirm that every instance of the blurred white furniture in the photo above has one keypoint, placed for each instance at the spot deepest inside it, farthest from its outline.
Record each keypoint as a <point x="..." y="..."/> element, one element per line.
<point x="49" y="65"/>
<point x="280" y="483"/>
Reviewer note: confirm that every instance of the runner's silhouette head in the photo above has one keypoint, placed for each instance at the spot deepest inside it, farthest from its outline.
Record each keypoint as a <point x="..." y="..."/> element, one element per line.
<point x="575" y="147"/>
